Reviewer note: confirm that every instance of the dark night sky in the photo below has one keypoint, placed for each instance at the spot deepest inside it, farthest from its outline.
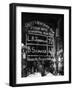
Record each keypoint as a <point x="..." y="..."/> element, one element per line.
<point x="49" y="19"/>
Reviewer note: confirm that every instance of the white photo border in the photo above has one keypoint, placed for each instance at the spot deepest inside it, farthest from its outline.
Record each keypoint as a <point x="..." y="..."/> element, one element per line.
<point x="19" y="79"/>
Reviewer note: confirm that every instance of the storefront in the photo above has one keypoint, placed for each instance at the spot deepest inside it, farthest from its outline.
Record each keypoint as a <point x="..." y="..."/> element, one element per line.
<point x="40" y="43"/>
